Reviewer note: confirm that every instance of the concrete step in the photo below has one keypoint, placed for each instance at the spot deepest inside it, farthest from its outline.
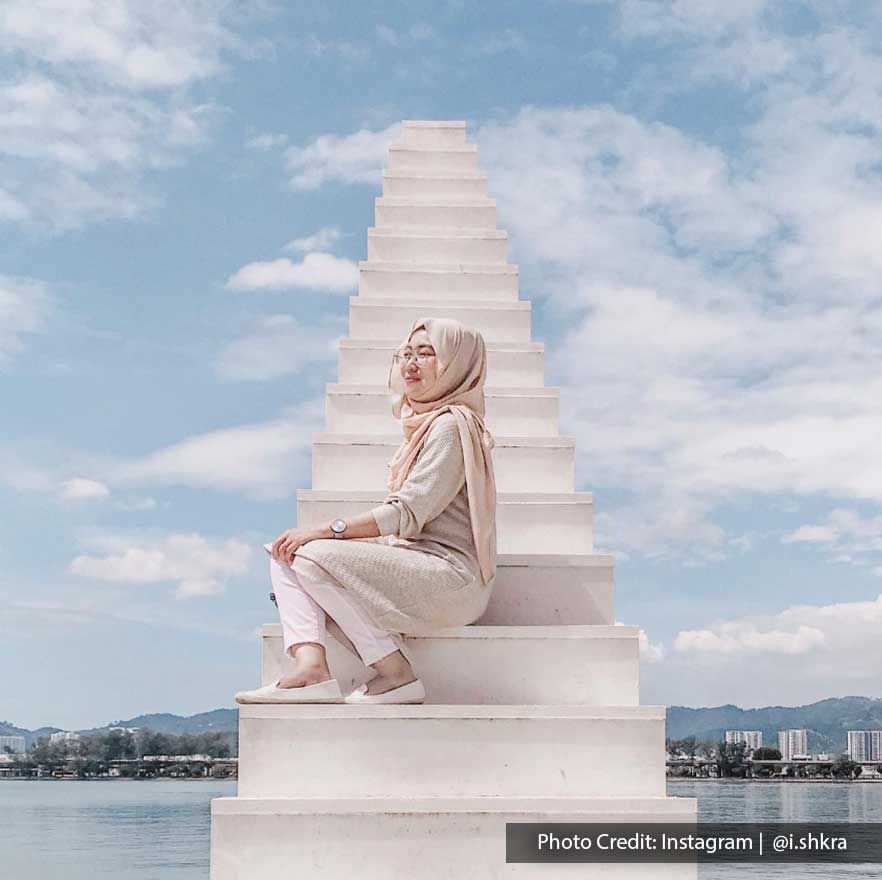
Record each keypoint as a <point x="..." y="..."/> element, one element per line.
<point x="521" y="464"/>
<point x="529" y="522"/>
<point x="433" y="133"/>
<point x="424" y="281"/>
<point x="377" y="318"/>
<point x="517" y="411"/>
<point x="422" y="213"/>
<point x="491" y="665"/>
<point x="441" y="184"/>
<point x="442" y="245"/>
<point x="341" y="750"/>
<point x="402" y="157"/>
<point x="537" y="589"/>
<point x="420" y="838"/>
<point x="509" y="364"/>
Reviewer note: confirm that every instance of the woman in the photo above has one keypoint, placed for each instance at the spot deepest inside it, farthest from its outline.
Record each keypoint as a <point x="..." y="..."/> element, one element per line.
<point x="425" y="558"/>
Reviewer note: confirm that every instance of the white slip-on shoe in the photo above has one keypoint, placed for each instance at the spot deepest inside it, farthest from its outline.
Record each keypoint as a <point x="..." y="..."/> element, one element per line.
<point x="323" y="692"/>
<point x="412" y="692"/>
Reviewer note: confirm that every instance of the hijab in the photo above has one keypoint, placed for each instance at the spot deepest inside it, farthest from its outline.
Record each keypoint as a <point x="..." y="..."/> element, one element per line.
<point x="461" y="361"/>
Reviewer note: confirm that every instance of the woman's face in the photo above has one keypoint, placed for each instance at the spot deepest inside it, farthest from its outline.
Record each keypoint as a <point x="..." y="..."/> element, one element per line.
<point x="418" y="376"/>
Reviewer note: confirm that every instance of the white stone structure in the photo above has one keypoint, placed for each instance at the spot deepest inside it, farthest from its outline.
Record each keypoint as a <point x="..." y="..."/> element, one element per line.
<point x="533" y="713"/>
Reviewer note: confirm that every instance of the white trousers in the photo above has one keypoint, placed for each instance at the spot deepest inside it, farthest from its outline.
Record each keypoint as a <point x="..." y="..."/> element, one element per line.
<point x="307" y="595"/>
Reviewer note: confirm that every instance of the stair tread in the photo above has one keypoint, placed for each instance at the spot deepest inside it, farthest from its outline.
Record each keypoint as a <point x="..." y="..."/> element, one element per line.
<point x="395" y="439"/>
<point x="499" y="633"/>
<point x="501" y="497"/>
<point x="499" y="391"/>
<point x="514" y="305"/>
<point x="436" y="201"/>
<point x="487" y="803"/>
<point x="435" y="232"/>
<point x="435" y="711"/>
<point x="440" y="268"/>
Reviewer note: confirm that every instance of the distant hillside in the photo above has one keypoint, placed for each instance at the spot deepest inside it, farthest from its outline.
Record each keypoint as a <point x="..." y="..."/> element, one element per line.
<point x="224" y="720"/>
<point x="218" y="720"/>
<point x="7" y="729"/>
<point x="826" y="721"/>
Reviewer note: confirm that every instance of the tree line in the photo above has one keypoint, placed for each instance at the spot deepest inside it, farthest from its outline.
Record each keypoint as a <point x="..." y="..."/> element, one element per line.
<point x="731" y="760"/>
<point x="93" y="753"/>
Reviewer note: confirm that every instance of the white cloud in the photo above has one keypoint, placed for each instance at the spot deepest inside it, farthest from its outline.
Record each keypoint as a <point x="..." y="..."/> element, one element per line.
<point x="25" y="306"/>
<point x="279" y="346"/>
<point x="722" y="308"/>
<point x="846" y="535"/>
<point x="81" y="489"/>
<point x="745" y="638"/>
<point x="318" y="241"/>
<point x="100" y="98"/>
<point x="159" y="45"/>
<point x="136" y="504"/>
<point x="266" y="141"/>
<point x="317" y="271"/>
<point x="801" y="654"/>
<point x="200" y="566"/>
<point x="352" y="158"/>
<point x="265" y="461"/>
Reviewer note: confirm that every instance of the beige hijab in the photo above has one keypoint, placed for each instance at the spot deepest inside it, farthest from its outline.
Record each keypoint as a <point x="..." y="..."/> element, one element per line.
<point x="459" y="389"/>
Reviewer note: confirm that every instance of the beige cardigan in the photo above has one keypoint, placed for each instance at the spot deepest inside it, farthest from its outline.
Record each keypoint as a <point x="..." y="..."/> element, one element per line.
<point x="422" y="572"/>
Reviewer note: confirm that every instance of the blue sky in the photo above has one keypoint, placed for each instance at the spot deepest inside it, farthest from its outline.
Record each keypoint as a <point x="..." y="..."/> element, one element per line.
<point x="692" y="193"/>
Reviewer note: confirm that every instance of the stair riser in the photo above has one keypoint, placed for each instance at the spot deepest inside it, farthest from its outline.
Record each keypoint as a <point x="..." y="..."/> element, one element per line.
<point x="494" y="671"/>
<point x="550" y="595"/>
<point x="435" y="187"/>
<point x="449" y="757"/>
<point x="444" y="285"/>
<point x="436" y="137"/>
<point x="520" y="527"/>
<point x="428" y="216"/>
<point x="352" y="413"/>
<point x="432" y="161"/>
<point x="436" y="249"/>
<point x="505" y="369"/>
<point x="517" y="468"/>
<point x="264" y="842"/>
<point x="369" y="320"/>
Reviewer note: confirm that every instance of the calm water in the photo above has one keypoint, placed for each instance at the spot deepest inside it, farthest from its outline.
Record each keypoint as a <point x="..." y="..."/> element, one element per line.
<point x="159" y="829"/>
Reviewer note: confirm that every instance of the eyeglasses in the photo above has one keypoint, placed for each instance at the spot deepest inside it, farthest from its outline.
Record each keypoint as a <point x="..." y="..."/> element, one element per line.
<point x="405" y="356"/>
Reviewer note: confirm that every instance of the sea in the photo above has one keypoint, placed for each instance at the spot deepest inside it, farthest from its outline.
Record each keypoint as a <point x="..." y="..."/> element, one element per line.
<point x="159" y="829"/>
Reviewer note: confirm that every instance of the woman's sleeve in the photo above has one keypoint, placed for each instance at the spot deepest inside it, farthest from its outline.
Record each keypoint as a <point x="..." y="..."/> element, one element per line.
<point x="435" y="479"/>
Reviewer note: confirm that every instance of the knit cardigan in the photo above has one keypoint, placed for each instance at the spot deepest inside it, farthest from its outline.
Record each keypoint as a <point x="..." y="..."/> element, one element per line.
<point x="422" y="572"/>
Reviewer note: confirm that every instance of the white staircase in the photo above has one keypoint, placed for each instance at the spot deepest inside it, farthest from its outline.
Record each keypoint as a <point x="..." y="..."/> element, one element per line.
<point x="532" y="713"/>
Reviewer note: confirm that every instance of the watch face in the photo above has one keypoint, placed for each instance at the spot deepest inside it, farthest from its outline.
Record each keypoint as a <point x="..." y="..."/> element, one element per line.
<point x="338" y="525"/>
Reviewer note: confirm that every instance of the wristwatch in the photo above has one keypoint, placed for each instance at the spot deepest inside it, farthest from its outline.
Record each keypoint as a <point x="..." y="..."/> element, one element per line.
<point x="338" y="526"/>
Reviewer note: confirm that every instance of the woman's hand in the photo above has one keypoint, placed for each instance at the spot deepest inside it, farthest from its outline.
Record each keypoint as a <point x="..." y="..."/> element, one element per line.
<point x="287" y="543"/>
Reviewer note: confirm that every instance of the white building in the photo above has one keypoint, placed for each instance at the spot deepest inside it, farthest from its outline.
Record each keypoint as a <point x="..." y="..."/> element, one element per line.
<point x="14" y="743"/>
<point x="865" y="745"/>
<point x="65" y="736"/>
<point x="792" y="742"/>
<point x="753" y="739"/>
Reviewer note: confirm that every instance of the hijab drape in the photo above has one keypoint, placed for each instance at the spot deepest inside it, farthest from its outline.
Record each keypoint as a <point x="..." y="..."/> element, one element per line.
<point x="461" y="362"/>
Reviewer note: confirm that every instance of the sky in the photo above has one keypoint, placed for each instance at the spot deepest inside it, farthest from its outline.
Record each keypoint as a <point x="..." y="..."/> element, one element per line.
<point x="692" y="190"/>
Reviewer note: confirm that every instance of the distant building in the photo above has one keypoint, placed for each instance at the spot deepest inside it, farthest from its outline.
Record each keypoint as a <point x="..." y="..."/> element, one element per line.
<point x="13" y="743"/>
<point x="753" y="739"/>
<point x="125" y="729"/>
<point x="865" y="745"/>
<point x="65" y="736"/>
<point x="792" y="742"/>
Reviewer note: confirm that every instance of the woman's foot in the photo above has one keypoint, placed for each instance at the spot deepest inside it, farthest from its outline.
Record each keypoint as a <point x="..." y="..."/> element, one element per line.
<point x="310" y="666"/>
<point x="393" y="671"/>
